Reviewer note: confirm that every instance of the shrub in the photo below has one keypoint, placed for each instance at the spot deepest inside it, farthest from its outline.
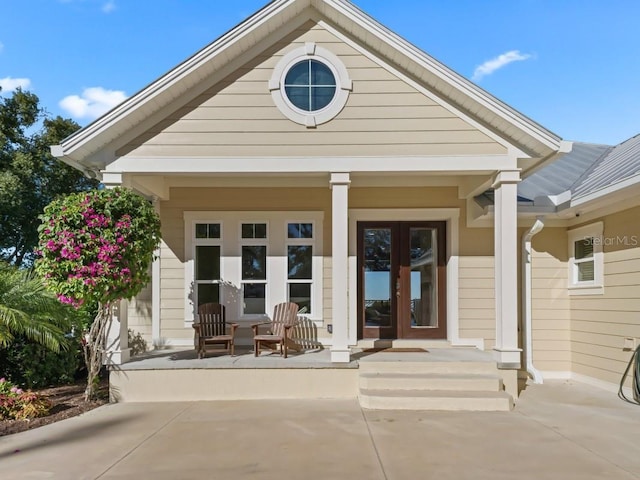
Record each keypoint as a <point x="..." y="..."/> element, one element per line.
<point x="16" y="404"/>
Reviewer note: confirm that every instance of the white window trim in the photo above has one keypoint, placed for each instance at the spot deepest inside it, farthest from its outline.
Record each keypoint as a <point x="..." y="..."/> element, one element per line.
<point x="344" y="85"/>
<point x="230" y="265"/>
<point x="189" y="267"/>
<point x="316" y="265"/>
<point x="595" y="286"/>
<point x="253" y="242"/>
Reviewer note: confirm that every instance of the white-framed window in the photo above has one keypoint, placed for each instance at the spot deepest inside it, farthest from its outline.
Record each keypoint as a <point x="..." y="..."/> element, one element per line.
<point x="586" y="260"/>
<point x="300" y="274"/>
<point x="253" y="258"/>
<point x="261" y="259"/>
<point x="310" y="85"/>
<point x="207" y="241"/>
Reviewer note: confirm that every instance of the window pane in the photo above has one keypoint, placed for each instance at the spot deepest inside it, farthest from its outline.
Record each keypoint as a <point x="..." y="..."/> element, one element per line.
<point x="300" y="293"/>
<point x="247" y="230"/>
<point x="299" y="96"/>
<point x="586" y="272"/>
<point x="208" y="293"/>
<point x="321" y="97"/>
<point x="254" y="262"/>
<point x="207" y="262"/>
<point x="260" y="230"/>
<point x="254" y="298"/>
<point x="321" y="74"/>
<point x="300" y="230"/>
<point x="201" y="230"/>
<point x="584" y="248"/>
<point x="298" y="74"/>
<point x="300" y="261"/>
<point x="214" y="230"/>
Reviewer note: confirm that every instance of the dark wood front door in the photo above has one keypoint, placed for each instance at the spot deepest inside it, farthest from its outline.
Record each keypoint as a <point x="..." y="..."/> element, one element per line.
<point x="402" y="280"/>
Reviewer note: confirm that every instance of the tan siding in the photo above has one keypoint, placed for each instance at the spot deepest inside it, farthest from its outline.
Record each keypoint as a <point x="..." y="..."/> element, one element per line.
<point x="238" y="116"/>
<point x="477" y="298"/>
<point x="600" y="323"/>
<point x="139" y="315"/>
<point x="550" y="302"/>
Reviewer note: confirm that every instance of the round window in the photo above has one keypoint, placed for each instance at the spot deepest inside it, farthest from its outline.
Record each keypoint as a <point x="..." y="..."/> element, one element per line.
<point x="310" y="85"/>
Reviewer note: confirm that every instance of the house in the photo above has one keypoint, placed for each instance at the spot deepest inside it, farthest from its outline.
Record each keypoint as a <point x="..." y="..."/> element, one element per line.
<point x="312" y="155"/>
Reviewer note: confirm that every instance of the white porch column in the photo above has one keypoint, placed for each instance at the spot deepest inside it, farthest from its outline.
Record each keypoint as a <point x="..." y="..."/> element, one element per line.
<point x="506" y="349"/>
<point x="155" y="289"/>
<point x="340" y="352"/>
<point x="118" y="351"/>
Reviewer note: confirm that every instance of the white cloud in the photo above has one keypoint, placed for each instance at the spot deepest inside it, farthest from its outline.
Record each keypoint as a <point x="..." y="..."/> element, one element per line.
<point x="490" y="66"/>
<point x="92" y="103"/>
<point x="9" y="84"/>
<point x="109" y="7"/>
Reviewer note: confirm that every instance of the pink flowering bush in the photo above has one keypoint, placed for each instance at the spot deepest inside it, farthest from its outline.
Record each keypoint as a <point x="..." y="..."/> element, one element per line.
<point x="17" y="404"/>
<point x="96" y="248"/>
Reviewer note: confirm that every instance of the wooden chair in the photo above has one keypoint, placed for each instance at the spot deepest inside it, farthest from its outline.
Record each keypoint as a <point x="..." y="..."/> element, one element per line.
<point x="212" y="329"/>
<point x="285" y="317"/>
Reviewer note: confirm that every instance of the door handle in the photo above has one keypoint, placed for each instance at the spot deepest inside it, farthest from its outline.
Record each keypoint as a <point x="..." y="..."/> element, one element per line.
<point x="398" y="288"/>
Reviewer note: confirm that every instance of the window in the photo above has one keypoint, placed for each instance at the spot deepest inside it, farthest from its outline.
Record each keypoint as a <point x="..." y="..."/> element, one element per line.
<point x="310" y="85"/>
<point x="586" y="262"/>
<point x="207" y="263"/>
<point x="300" y="265"/>
<point x="254" y="268"/>
<point x="251" y="261"/>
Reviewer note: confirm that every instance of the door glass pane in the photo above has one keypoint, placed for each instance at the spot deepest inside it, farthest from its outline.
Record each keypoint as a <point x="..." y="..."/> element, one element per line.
<point x="377" y="277"/>
<point x="423" y="255"/>
<point x="254" y="298"/>
<point x="207" y="262"/>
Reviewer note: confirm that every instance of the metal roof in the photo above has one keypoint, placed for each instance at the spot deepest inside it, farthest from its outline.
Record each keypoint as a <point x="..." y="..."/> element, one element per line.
<point x="620" y="163"/>
<point x="561" y="175"/>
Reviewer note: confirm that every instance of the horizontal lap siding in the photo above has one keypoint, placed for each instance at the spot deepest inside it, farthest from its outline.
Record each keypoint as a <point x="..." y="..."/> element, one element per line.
<point x="600" y="323"/>
<point x="477" y="312"/>
<point x="550" y="302"/>
<point x="383" y="116"/>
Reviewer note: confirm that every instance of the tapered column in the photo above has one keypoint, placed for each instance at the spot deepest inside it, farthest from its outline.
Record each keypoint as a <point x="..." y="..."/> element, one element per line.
<point x="340" y="352"/>
<point x="506" y="348"/>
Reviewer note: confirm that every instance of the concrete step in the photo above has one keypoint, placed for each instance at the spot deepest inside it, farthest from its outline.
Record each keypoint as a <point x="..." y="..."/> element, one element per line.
<point x="402" y="343"/>
<point x="430" y="381"/>
<point x="408" y="366"/>
<point x="435" y="400"/>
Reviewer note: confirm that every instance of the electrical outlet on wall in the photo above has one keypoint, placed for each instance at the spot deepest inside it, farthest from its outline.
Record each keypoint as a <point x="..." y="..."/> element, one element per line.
<point x="629" y="344"/>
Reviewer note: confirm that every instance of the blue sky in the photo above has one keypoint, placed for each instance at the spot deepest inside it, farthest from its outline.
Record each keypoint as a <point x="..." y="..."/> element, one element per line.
<point x="571" y="65"/>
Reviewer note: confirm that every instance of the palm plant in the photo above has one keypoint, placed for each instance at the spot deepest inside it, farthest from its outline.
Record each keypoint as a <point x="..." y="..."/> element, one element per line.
<point x="27" y="309"/>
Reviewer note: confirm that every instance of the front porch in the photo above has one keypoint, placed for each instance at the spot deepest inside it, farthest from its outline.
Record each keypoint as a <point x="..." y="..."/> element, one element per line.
<point x="437" y="378"/>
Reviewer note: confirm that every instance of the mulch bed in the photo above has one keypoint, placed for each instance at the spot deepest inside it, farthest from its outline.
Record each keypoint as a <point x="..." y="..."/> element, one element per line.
<point x="68" y="401"/>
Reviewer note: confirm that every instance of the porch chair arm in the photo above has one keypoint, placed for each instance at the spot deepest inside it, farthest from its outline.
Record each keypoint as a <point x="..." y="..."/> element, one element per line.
<point x="256" y="325"/>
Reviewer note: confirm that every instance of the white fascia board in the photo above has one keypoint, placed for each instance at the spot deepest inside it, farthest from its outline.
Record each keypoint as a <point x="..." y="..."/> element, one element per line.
<point x="606" y="192"/>
<point x="177" y="74"/>
<point x="458" y="82"/>
<point x="193" y="165"/>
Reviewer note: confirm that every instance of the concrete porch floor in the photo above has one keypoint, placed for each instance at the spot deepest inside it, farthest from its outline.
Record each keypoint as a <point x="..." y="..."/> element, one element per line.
<point x="561" y="430"/>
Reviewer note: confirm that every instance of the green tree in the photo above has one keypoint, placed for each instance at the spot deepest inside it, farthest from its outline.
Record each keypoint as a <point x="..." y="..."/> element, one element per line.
<point x="30" y="177"/>
<point x="27" y="309"/>
<point x="97" y="247"/>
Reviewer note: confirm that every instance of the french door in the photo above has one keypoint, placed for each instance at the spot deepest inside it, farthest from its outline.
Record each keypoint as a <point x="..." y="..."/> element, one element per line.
<point x="402" y="280"/>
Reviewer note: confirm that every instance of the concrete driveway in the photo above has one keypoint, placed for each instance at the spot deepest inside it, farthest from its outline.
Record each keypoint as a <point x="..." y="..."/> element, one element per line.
<point x="559" y="430"/>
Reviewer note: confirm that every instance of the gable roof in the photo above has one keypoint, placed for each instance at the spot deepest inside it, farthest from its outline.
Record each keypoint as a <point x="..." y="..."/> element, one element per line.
<point x="620" y="163"/>
<point x="93" y="147"/>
